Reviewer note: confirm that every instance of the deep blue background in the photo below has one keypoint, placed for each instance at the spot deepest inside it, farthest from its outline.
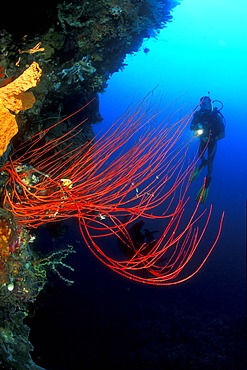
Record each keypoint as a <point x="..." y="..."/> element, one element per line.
<point x="105" y="320"/>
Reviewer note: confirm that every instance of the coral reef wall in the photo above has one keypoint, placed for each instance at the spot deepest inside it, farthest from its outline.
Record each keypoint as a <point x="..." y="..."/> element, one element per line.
<point x="78" y="45"/>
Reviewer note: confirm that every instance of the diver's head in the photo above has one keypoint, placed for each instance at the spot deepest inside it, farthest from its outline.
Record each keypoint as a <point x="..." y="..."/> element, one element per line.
<point x="206" y="103"/>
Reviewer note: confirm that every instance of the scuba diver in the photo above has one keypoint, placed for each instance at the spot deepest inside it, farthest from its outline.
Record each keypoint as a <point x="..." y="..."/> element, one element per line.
<point x="144" y="241"/>
<point x="209" y="125"/>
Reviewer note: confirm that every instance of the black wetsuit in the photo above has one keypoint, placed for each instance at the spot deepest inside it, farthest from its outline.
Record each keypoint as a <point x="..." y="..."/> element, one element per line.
<point x="213" y="130"/>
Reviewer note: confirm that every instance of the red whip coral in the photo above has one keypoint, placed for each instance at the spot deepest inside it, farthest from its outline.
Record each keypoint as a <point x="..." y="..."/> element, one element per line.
<point x="14" y="98"/>
<point x="137" y="169"/>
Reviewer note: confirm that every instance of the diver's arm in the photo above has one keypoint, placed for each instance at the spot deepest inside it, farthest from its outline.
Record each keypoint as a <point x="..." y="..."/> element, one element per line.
<point x="194" y="122"/>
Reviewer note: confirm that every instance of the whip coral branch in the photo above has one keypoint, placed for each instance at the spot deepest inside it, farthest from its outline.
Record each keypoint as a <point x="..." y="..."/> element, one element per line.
<point x="137" y="170"/>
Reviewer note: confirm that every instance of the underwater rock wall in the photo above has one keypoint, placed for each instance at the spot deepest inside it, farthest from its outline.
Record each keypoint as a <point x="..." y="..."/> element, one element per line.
<point x="78" y="45"/>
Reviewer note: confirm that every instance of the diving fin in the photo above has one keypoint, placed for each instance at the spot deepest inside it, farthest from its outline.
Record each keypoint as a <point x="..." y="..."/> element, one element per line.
<point x="203" y="192"/>
<point x="202" y="195"/>
<point x="197" y="171"/>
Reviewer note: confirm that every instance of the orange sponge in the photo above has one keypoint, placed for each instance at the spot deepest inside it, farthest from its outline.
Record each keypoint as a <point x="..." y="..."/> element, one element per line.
<point x="13" y="98"/>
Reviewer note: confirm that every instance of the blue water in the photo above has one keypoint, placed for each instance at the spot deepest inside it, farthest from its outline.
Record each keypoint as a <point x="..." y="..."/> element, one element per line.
<point x="106" y="320"/>
<point x="203" y="50"/>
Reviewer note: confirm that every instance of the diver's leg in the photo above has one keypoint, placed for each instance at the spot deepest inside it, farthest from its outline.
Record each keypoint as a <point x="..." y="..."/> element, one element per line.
<point x="210" y="167"/>
<point x="212" y="146"/>
<point x="203" y="192"/>
<point x="201" y="152"/>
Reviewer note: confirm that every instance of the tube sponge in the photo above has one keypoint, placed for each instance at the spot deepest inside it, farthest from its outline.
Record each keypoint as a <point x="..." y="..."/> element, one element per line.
<point x="13" y="98"/>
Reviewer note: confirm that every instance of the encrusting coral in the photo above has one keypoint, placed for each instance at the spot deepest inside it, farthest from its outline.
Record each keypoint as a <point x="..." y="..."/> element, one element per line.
<point x="13" y="98"/>
<point x="7" y="237"/>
